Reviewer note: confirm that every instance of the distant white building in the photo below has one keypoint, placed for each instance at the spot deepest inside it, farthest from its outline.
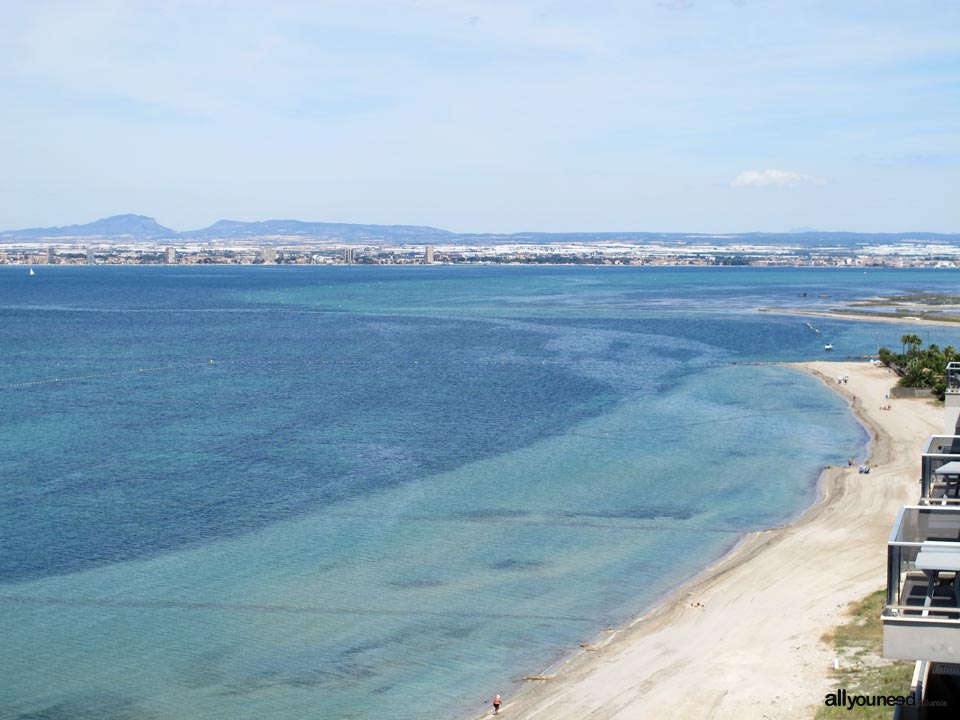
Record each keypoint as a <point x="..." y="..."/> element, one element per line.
<point x="91" y="256"/>
<point x="268" y="255"/>
<point x="348" y="256"/>
<point x="429" y="254"/>
<point x="51" y="256"/>
<point x="170" y="256"/>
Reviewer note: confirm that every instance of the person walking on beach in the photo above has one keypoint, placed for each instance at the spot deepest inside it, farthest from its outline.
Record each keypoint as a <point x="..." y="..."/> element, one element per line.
<point x="496" y="705"/>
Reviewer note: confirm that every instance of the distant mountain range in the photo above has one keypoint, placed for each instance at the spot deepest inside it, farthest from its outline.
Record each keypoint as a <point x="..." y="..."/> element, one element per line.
<point x="316" y="230"/>
<point x="140" y="228"/>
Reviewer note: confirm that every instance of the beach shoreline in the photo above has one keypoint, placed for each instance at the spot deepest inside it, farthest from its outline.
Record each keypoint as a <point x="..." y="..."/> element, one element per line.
<point x="865" y="317"/>
<point x="733" y="655"/>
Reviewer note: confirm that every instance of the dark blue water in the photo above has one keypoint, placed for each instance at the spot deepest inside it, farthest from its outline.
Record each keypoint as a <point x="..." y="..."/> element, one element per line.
<point x="256" y="492"/>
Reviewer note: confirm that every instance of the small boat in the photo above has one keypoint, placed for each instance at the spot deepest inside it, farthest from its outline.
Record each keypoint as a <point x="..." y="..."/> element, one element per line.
<point x="32" y="273"/>
<point x="828" y="346"/>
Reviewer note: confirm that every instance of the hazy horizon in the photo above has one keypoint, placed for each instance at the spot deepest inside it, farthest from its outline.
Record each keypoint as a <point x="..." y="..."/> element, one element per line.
<point x="485" y="116"/>
<point x="530" y="231"/>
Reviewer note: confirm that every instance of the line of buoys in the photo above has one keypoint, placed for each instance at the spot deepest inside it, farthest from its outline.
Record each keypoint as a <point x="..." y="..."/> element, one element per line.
<point x="206" y="605"/>
<point x="88" y="376"/>
<point x="301" y="362"/>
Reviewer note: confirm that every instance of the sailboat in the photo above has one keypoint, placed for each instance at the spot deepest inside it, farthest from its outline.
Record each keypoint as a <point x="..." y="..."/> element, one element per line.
<point x="828" y="346"/>
<point x="32" y="273"/>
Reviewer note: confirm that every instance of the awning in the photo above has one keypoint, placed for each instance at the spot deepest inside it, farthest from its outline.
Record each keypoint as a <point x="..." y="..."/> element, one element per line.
<point x="951" y="468"/>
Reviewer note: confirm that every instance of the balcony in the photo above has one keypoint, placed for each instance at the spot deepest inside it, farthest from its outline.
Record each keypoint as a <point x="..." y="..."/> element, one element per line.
<point x="921" y="620"/>
<point x="953" y="377"/>
<point x="940" y="471"/>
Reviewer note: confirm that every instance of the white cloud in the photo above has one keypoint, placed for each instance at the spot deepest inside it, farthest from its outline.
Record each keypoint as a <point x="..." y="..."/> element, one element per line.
<point x="775" y="178"/>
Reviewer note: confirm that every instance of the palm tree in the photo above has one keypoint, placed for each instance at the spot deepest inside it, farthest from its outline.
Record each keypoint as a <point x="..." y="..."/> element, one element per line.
<point x="915" y="374"/>
<point x="914" y="341"/>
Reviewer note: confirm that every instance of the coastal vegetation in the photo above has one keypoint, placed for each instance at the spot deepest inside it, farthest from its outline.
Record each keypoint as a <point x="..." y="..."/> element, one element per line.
<point x="914" y="299"/>
<point x="905" y="314"/>
<point x="862" y="670"/>
<point x="920" y="367"/>
<point x="943" y="307"/>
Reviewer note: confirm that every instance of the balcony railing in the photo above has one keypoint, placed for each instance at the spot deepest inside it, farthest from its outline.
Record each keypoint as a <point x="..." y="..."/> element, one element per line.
<point x="921" y="620"/>
<point x="940" y="471"/>
<point x="953" y="377"/>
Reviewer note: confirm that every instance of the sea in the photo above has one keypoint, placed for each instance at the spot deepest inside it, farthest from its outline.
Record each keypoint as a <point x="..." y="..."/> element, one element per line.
<point x="236" y="493"/>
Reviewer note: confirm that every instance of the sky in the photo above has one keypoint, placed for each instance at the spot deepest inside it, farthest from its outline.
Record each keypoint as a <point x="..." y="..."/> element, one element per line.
<point x="484" y="115"/>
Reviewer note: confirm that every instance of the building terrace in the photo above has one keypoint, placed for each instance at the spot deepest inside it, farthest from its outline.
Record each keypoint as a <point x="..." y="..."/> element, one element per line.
<point x="921" y="620"/>
<point x="940" y="471"/>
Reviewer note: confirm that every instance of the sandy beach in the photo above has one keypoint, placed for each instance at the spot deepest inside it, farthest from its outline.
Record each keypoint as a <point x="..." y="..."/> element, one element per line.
<point x="754" y="649"/>
<point x="865" y="317"/>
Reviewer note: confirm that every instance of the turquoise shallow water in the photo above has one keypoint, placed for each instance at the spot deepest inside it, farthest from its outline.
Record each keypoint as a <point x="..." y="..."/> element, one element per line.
<point x="390" y="484"/>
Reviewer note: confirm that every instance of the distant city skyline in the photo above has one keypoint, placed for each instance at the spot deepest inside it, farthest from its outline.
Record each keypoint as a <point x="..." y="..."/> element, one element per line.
<point x="485" y="115"/>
